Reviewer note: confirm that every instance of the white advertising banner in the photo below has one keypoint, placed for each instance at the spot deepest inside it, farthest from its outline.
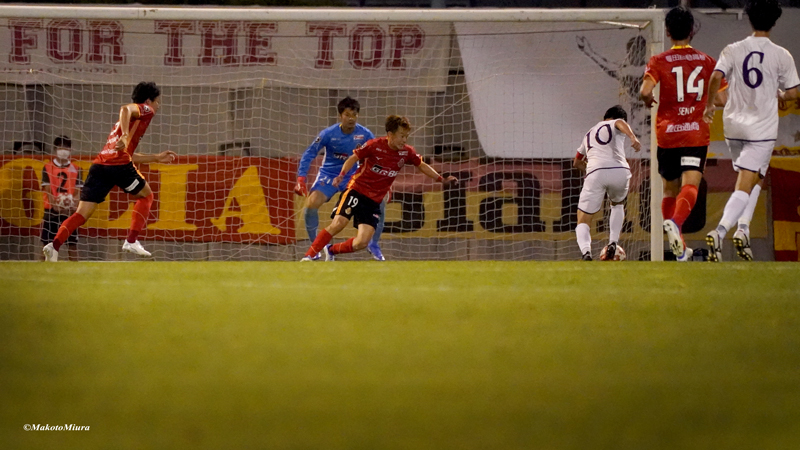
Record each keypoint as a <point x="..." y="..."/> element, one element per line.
<point x="535" y="88"/>
<point x="324" y="55"/>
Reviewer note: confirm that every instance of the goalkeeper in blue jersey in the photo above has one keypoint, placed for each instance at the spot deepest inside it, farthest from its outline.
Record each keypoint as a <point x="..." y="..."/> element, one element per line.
<point x="338" y="142"/>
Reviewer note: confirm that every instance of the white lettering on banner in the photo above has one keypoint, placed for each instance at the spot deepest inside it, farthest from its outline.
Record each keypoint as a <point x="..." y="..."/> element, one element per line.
<point x="688" y="126"/>
<point x="353" y="55"/>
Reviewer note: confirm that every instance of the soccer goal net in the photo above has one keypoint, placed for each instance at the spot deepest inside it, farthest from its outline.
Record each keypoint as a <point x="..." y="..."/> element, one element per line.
<point x="501" y="99"/>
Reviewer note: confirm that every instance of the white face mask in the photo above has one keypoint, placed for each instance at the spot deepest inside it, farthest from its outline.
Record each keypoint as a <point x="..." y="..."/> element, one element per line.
<point x="63" y="154"/>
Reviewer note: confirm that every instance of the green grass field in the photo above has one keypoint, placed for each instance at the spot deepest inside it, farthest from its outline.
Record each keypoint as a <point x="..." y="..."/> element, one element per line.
<point x="416" y="355"/>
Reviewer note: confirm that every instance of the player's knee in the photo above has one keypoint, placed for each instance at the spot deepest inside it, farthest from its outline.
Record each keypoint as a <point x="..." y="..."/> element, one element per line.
<point x="360" y="244"/>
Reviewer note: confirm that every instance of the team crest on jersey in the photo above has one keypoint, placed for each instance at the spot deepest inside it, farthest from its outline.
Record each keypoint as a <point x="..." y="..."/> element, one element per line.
<point x="347" y="211"/>
<point x="316" y="141"/>
<point x="146" y="108"/>
<point x="401" y="163"/>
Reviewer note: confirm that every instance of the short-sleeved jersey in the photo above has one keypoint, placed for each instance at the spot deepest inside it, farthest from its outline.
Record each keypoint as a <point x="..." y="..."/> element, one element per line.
<point x="683" y="73"/>
<point x="338" y="147"/>
<point x="755" y="68"/>
<point x="58" y="179"/>
<point x="109" y="156"/>
<point x="604" y="147"/>
<point x="380" y="165"/>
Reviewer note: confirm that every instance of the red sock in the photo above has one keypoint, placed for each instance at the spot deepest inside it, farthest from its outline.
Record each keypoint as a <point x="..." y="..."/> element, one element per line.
<point x="67" y="228"/>
<point x="321" y="241"/>
<point x="141" y="211"/>
<point x="343" y="247"/>
<point x="684" y="204"/>
<point x="667" y="207"/>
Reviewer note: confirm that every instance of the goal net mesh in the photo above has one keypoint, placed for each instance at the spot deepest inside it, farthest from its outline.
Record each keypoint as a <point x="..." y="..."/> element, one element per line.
<point x="500" y="105"/>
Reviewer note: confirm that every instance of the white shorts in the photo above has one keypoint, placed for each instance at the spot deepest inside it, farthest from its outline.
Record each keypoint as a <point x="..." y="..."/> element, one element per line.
<point x="750" y="155"/>
<point x="600" y="182"/>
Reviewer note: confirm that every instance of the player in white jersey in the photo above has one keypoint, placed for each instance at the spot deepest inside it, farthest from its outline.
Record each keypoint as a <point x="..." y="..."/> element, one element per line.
<point x="755" y="69"/>
<point x="602" y="156"/>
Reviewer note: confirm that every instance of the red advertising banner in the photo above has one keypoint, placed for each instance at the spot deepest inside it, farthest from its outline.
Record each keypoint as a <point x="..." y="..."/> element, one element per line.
<point x="785" y="174"/>
<point x="197" y="198"/>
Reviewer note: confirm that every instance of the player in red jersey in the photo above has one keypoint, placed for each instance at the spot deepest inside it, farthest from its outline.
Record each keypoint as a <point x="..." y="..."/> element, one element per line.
<point x="381" y="161"/>
<point x="115" y="166"/>
<point x="682" y="135"/>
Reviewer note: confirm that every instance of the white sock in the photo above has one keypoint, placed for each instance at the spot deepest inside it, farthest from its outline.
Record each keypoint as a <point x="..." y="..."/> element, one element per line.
<point x="584" y="238"/>
<point x="747" y="214"/>
<point x="615" y="221"/>
<point x="733" y="210"/>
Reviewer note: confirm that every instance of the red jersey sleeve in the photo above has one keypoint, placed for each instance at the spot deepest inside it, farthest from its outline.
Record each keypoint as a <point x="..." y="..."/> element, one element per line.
<point x="652" y="70"/>
<point x="416" y="160"/>
<point x="365" y="150"/>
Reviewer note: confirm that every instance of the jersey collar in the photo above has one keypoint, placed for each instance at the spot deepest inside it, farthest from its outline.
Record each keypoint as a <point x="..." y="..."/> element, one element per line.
<point x="679" y="47"/>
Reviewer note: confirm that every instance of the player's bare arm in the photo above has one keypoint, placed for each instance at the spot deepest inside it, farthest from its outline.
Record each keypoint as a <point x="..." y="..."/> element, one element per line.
<point x="787" y="95"/>
<point x="348" y="164"/>
<point x="167" y="156"/>
<point x="627" y="131"/>
<point x="579" y="163"/>
<point x="126" y="113"/>
<point x="431" y="173"/>
<point x="646" y="92"/>
<point x="713" y="86"/>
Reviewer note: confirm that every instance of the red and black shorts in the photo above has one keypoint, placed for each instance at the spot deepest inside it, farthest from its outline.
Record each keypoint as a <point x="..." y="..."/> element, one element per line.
<point x="672" y="162"/>
<point x="103" y="178"/>
<point x="358" y="207"/>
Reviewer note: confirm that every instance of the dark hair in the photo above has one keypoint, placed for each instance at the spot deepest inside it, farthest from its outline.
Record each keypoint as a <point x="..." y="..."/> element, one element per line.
<point x="616" y="112"/>
<point x="680" y="23"/>
<point x="144" y="91"/>
<point x="346" y="103"/>
<point x="63" y="141"/>
<point x="394" y="123"/>
<point x="763" y="13"/>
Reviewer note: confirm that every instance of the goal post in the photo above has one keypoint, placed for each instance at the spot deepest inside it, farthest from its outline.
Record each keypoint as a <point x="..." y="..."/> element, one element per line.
<point x="499" y="98"/>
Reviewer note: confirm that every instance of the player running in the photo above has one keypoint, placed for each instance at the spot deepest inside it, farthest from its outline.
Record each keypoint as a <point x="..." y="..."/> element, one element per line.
<point x="339" y="141"/>
<point x="755" y="69"/>
<point x="602" y="156"/>
<point x="682" y="135"/>
<point x="115" y="166"/>
<point x="381" y="160"/>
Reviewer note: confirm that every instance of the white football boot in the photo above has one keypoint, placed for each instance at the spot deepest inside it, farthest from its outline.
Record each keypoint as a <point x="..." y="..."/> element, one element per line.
<point x="741" y="241"/>
<point x="714" y="246"/>
<point x="50" y="253"/>
<point x="135" y="248"/>
<point x="328" y="255"/>
<point x="675" y="239"/>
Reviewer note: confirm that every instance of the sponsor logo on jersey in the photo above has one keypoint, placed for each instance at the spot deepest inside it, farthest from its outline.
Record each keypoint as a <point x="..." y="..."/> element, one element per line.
<point x="358" y="137"/>
<point x="342" y="156"/>
<point x="403" y="153"/>
<point x="689" y="57"/>
<point x="381" y="171"/>
<point x="688" y="126"/>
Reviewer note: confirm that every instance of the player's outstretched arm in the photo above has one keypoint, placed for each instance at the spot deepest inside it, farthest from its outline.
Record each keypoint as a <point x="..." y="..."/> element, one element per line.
<point x="348" y="164"/>
<point x="626" y="130"/>
<point x="166" y="157"/>
<point x="713" y="86"/>
<point x="431" y="173"/>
